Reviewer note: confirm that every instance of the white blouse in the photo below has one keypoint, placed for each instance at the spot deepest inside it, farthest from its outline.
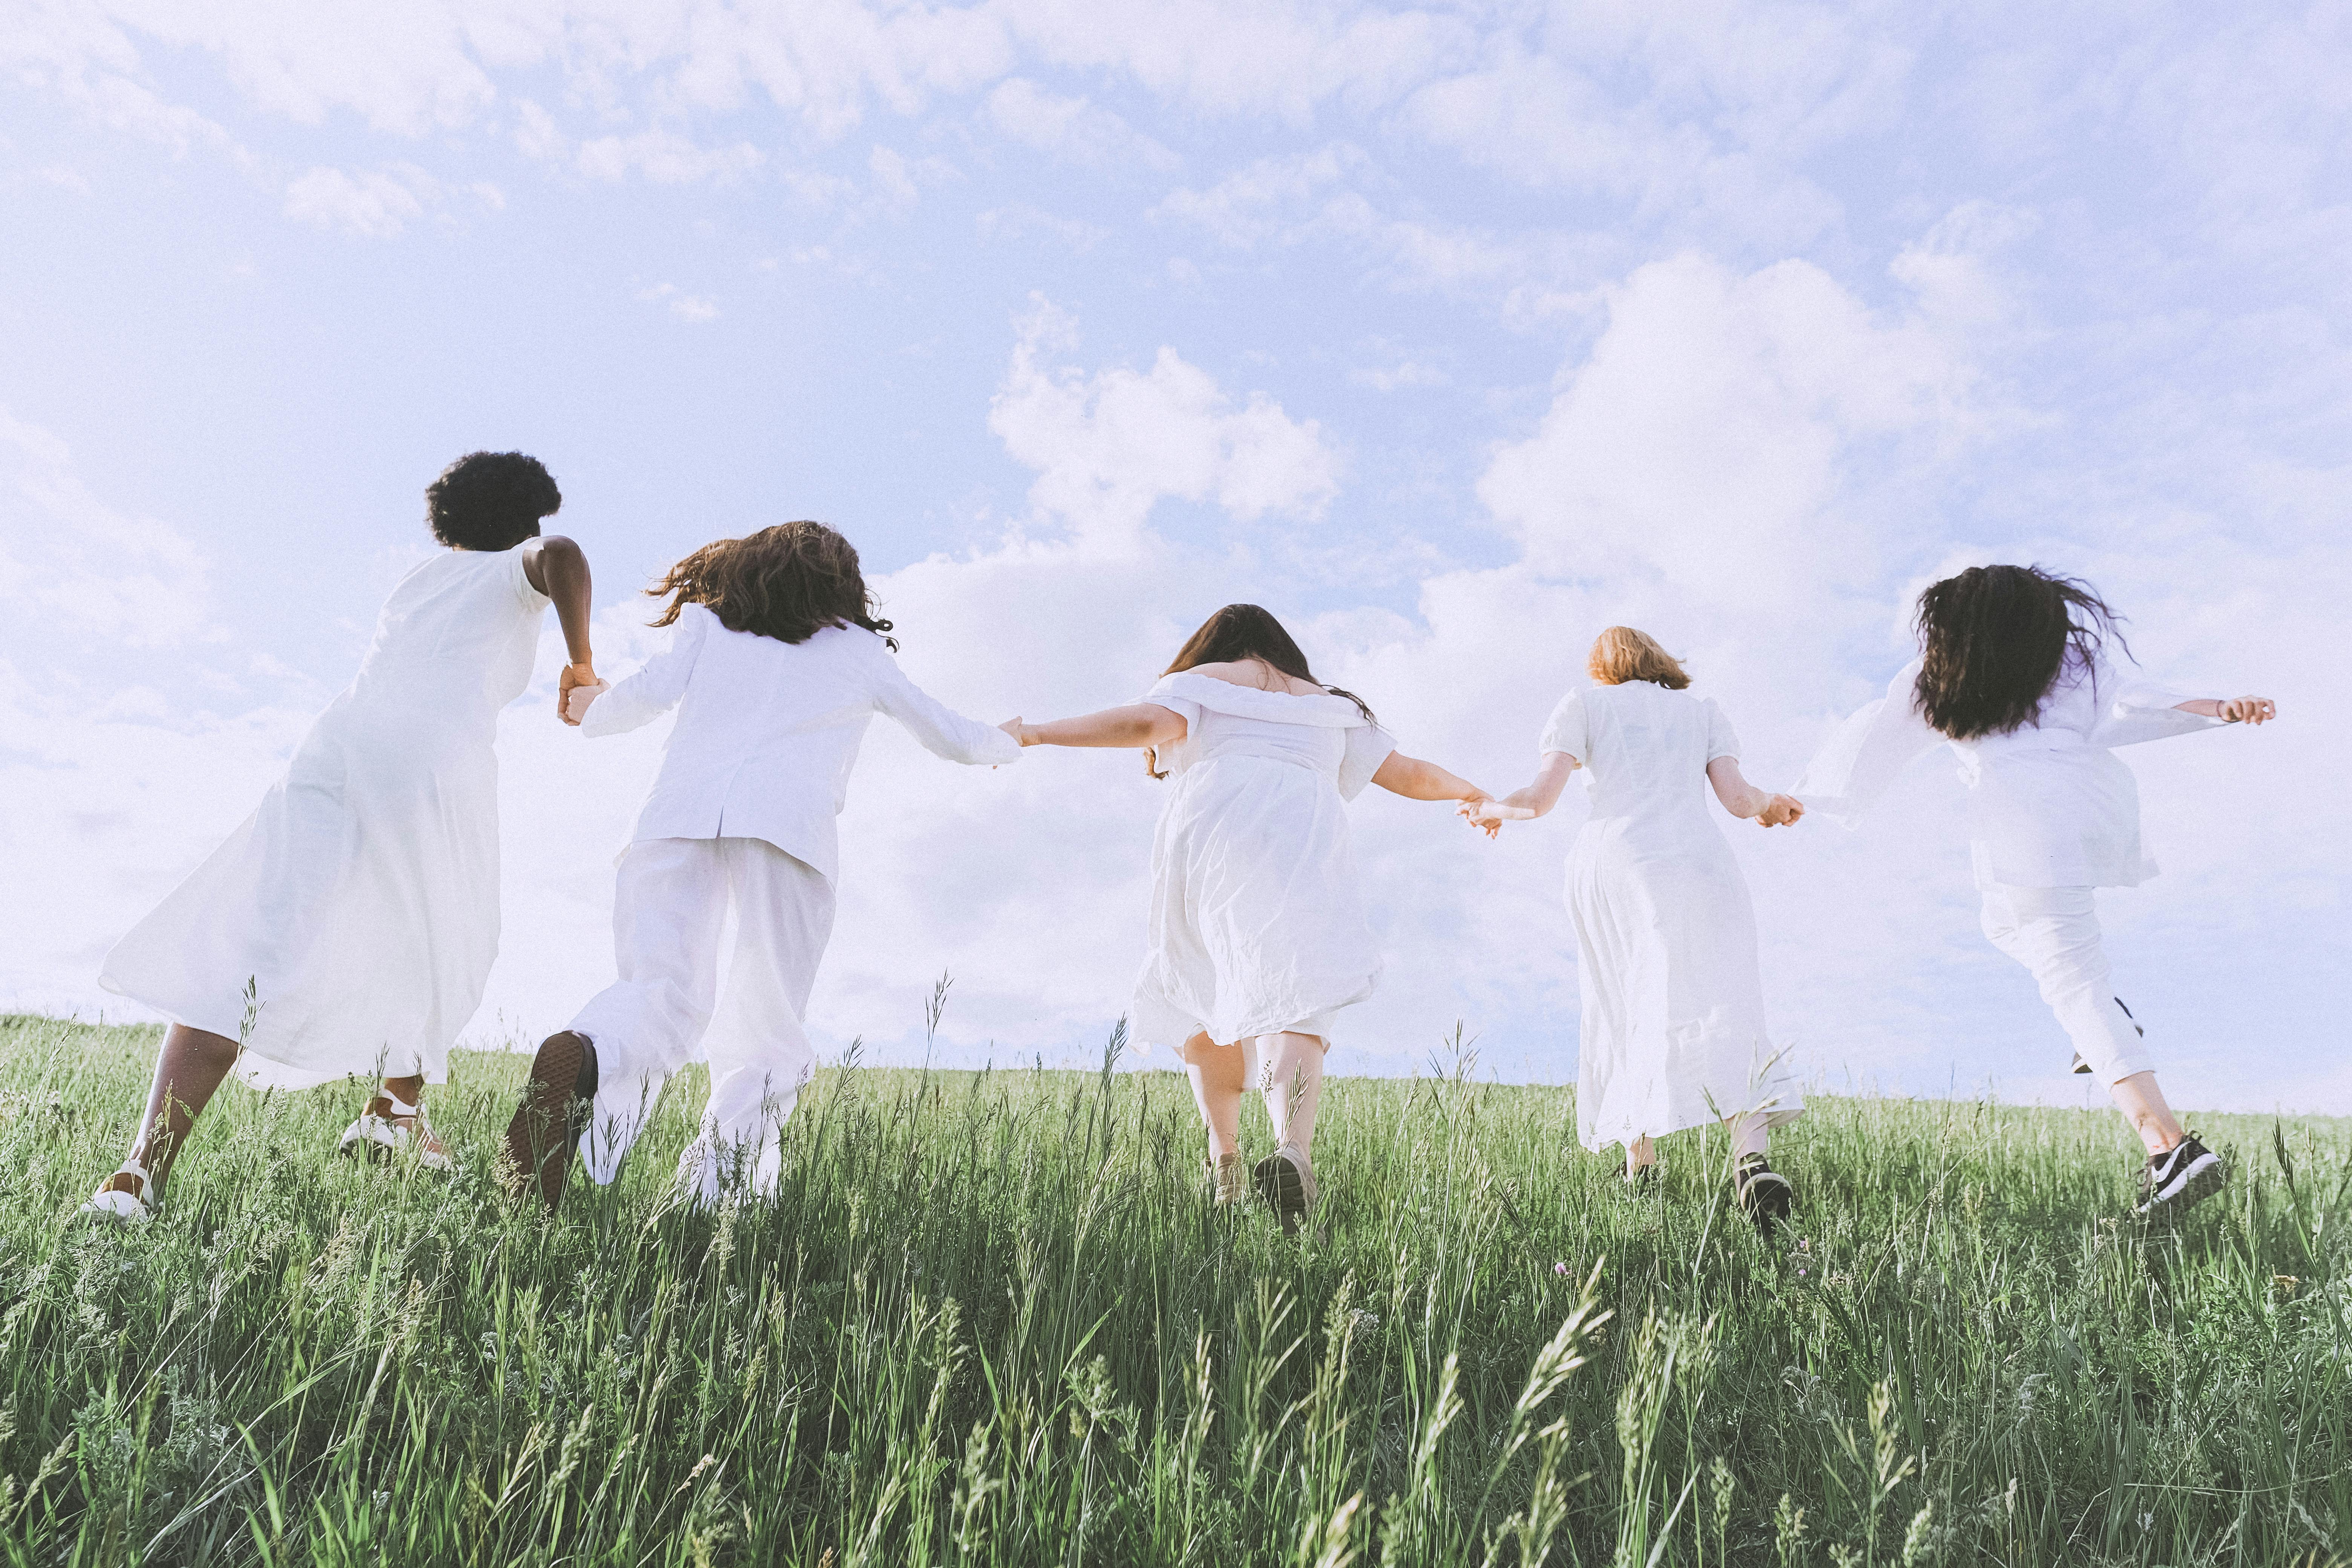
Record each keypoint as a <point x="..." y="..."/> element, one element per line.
<point x="2050" y="805"/>
<point x="768" y="730"/>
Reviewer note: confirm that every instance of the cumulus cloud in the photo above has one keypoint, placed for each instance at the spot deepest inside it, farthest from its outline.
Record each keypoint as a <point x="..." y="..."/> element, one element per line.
<point x="1072" y="128"/>
<point x="375" y="204"/>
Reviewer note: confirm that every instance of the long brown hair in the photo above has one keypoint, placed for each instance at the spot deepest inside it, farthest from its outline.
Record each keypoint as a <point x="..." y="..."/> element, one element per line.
<point x="789" y="583"/>
<point x="1994" y="640"/>
<point x="1246" y="631"/>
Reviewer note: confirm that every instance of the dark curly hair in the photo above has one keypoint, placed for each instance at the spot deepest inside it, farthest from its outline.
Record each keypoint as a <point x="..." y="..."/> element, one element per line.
<point x="1995" y="638"/>
<point x="788" y="583"/>
<point x="490" y="501"/>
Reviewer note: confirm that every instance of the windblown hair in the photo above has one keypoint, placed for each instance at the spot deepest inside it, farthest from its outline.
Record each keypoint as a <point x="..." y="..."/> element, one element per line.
<point x="1995" y="639"/>
<point x="1245" y="631"/>
<point x="789" y="583"/>
<point x="490" y="501"/>
<point x="1621" y="654"/>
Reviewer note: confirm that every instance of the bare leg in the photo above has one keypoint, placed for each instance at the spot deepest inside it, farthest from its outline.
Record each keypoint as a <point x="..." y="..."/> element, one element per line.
<point x="1640" y="1155"/>
<point x="1292" y="1081"/>
<point x="2143" y="1106"/>
<point x="1750" y="1134"/>
<point x="188" y="1070"/>
<point x="1218" y="1082"/>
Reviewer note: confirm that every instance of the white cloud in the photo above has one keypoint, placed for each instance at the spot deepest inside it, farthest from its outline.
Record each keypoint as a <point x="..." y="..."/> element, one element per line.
<point x="1072" y="128"/>
<point x="661" y="155"/>
<point x="1110" y="446"/>
<point x="691" y="308"/>
<point x="374" y="204"/>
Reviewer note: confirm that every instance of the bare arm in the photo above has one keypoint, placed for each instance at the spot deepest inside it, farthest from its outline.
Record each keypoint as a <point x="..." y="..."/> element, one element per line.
<point x="1416" y="779"/>
<point x="1132" y="727"/>
<point x="1534" y="800"/>
<point x="559" y="568"/>
<point x="1744" y="799"/>
<point x="2232" y="709"/>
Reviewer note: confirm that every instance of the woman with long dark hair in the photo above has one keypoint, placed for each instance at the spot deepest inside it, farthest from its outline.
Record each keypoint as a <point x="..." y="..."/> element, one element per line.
<point x="2016" y="674"/>
<point x="777" y="665"/>
<point x="1259" y="942"/>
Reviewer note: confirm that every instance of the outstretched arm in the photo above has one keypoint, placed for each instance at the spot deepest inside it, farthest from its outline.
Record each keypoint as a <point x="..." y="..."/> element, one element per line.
<point x="2232" y="709"/>
<point x="1744" y="799"/>
<point x="1416" y="779"/>
<point x="559" y="568"/>
<point x="1132" y="727"/>
<point x="1535" y="799"/>
<point x="942" y="731"/>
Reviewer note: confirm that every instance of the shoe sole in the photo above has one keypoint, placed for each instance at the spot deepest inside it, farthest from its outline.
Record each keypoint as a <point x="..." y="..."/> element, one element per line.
<point x="1768" y="1199"/>
<point x="1284" y="1190"/>
<point x="546" y="1128"/>
<point x="2192" y="1187"/>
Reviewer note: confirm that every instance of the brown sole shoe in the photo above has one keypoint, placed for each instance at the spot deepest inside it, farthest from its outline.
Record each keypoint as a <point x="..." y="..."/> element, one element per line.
<point x="555" y="1110"/>
<point x="1287" y="1182"/>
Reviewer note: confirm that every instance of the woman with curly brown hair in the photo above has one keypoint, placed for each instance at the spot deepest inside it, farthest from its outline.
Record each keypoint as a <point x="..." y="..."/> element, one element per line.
<point x="2015" y="673"/>
<point x="348" y="927"/>
<point x="775" y="668"/>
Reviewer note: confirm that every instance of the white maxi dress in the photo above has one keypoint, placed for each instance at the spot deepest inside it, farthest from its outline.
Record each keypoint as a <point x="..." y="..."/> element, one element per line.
<point x="359" y="901"/>
<point x="1257" y="926"/>
<point x="1672" y="1034"/>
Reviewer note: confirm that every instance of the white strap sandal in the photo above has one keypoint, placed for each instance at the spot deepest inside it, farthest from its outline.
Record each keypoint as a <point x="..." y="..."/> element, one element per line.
<point x="388" y="1128"/>
<point x="128" y="1195"/>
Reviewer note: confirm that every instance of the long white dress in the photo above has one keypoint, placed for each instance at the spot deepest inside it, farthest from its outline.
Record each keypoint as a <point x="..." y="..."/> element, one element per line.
<point x="359" y="901"/>
<point x="1257" y="927"/>
<point x="1673" y="1027"/>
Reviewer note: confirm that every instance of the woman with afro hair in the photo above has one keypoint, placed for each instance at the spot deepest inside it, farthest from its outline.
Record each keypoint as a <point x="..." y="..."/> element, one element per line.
<point x="347" y="928"/>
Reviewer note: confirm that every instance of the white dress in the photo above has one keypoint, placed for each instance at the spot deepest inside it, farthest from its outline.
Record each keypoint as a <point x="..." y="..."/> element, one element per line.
<point x="2050" y="804"/>
<point x="1673" y="1025"/>
<point x="361" y="899"/>
<point x="1256" y="923"/>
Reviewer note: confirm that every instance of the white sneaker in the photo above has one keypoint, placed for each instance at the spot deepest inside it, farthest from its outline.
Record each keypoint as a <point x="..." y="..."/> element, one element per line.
<point x="127" y="1196"/>
<point x="387" y="1127"/>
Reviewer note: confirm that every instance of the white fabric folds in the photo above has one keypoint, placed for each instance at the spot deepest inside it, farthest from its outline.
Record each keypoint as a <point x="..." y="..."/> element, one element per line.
<point x="1257" y="926"/>
<point x="361" y="899"/>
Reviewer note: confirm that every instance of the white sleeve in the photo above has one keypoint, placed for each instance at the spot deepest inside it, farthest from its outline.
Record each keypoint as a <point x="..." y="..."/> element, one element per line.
<point x="1722" y="741"/>
<point x="2133" y="709"/>
<point x="655" y="687"/>
<point x="943" y="731"/>
<point x="1866" y="753"/>
<point x="1369" y="746"/>
<point x="1568" y="729"/>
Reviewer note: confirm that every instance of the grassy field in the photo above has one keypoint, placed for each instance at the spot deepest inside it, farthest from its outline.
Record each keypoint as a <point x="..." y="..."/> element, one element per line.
<point x="993" y="1319"/>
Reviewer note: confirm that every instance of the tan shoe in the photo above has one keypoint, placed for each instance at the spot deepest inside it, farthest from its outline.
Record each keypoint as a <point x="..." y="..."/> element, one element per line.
<point x="1228" y="1179"/>
<point x="127" y="1196"/>
<point x="1287" y="1182"/>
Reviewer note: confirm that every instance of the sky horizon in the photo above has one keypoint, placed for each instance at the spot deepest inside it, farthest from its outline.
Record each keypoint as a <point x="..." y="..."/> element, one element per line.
<point x="1449" y="333"/>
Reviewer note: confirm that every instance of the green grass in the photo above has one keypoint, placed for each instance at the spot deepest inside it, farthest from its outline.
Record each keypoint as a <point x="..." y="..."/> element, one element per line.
<point x="993" y="1319"/>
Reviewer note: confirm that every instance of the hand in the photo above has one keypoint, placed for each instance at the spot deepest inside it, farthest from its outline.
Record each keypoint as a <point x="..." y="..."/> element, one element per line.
<point x="1781" y="811"/>
<point x="1018" y="731"/>
<point x="2248" y="709"/>
<point x="572" y="676"/>
<point x="1485" y="813"/>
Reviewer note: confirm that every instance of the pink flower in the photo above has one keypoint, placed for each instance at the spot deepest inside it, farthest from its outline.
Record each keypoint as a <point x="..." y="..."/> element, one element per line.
<point x="1559" y="1269"/>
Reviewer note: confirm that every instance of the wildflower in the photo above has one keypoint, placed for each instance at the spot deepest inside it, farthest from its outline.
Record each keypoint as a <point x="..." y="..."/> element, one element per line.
<point x="1559" y="1269"/>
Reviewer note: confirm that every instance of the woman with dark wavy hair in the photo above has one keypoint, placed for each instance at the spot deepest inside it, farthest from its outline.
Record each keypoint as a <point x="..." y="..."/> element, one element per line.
<point x="776" y="666"/>
<point x="1259" y="943"/>
<point x="348" y="928"/>
<point x="2016" y="674"/>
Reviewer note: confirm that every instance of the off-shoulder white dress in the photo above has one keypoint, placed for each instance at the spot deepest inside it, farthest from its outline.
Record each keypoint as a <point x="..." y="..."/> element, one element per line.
<point x="1257" y="926"/>
<point x="1672" y="1029"/>
<point x="360" y="900"/>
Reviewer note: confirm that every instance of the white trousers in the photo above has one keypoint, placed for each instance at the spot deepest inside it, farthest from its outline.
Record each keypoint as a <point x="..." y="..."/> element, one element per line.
<point x="669" y="914"/>
<point x="2054" y="933"/>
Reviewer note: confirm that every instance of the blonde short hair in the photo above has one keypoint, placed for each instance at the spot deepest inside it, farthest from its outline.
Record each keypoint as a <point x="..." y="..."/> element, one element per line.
<point x="1621" y="654"/>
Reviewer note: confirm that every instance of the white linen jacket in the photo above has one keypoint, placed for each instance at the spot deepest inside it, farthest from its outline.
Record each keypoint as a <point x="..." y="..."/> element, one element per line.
<point x="2050" y="804"/>
<point x="768" y="730"/>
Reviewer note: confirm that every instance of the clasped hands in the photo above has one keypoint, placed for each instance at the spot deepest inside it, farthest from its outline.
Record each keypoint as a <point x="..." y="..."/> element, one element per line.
<point x="1488" y="814"/>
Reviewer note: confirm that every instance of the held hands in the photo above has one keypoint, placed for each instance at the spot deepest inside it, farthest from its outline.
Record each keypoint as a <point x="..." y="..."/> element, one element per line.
<point x="575" y="677"/>
<point x="577" y="699"/>
<point x="1023" y="734"/>
<point x="1781" y="811"/>
<point x="1488" y="814"/>
<point x="2247" y="710"/>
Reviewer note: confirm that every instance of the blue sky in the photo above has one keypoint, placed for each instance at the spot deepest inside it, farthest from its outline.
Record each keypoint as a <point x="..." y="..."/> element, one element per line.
<point x="1452" y="334"/>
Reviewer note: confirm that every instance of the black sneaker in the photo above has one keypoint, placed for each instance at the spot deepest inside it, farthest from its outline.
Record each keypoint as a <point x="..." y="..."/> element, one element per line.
<point x="1765" y="1194"/>
<point x="556" y="1105"/>
<point x="2082" y="1067"/>
<point x="2181" y="1177"/>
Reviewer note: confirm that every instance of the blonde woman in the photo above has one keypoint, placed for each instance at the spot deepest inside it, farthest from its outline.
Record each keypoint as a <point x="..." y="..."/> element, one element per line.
<point x="1259" y="943"/>
<point x="1672" y="1030"/>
